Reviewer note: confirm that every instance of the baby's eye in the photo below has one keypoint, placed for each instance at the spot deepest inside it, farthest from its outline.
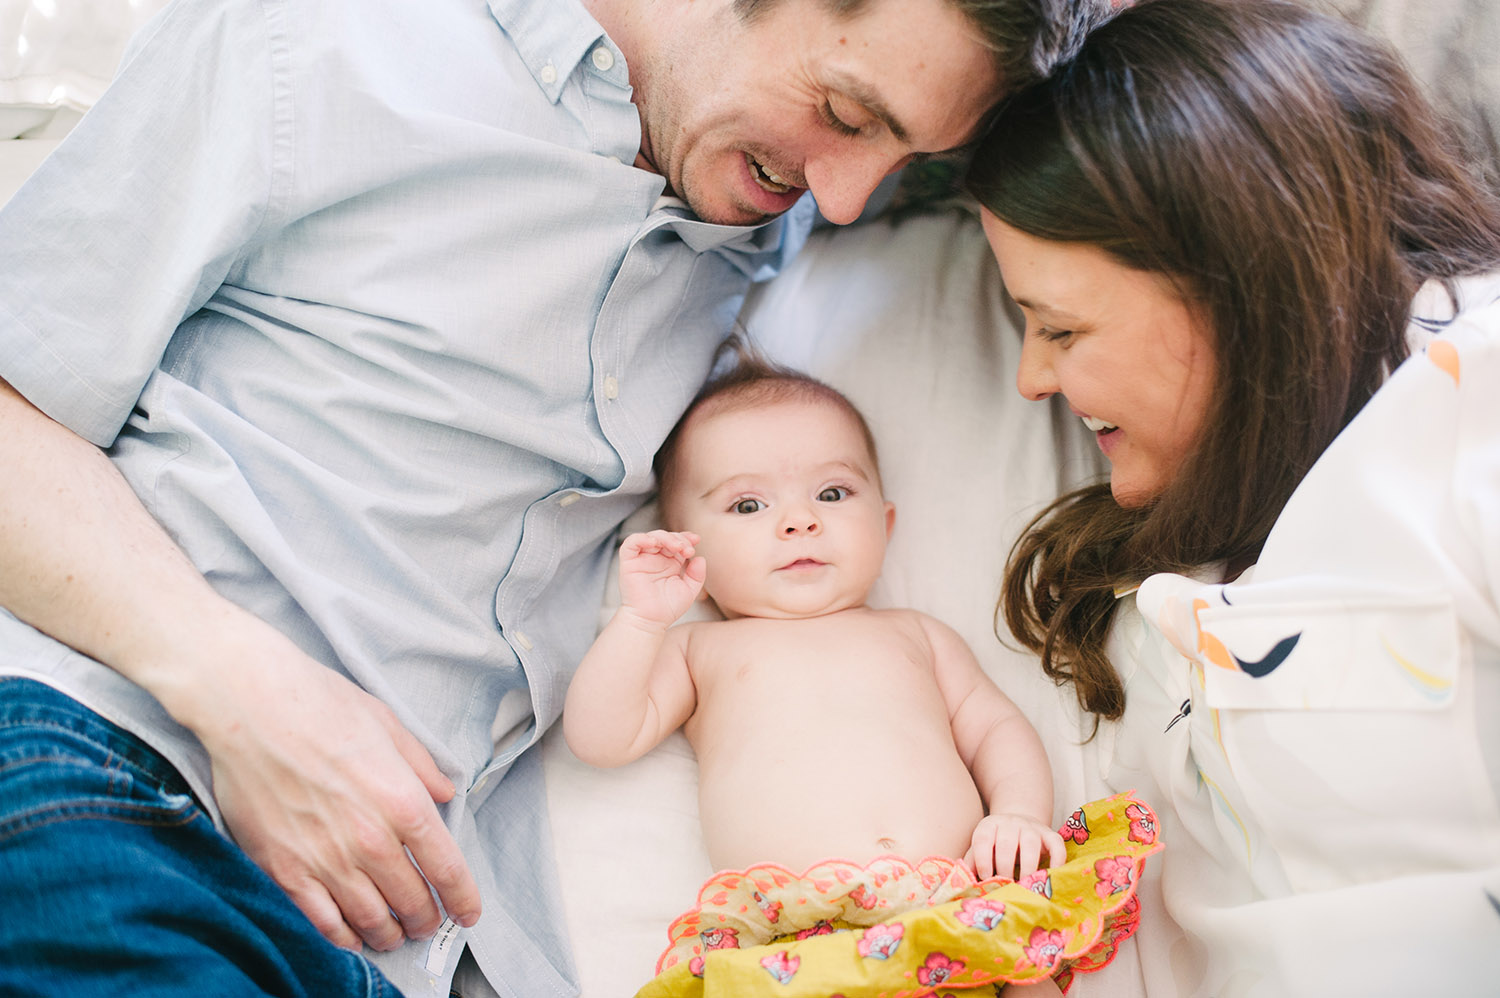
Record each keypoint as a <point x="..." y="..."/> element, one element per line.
<point x="1054" y="335"/>
<point x="833" y="494"/>
<point x="748" y="506"/>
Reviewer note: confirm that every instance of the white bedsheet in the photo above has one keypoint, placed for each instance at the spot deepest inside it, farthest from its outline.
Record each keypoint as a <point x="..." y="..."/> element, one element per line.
<point x="909" y="321"/>
<point x="18" y="158"/>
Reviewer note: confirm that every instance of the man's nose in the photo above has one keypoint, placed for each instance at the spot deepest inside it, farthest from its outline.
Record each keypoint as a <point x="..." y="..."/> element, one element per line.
<point x="842" y="179"/>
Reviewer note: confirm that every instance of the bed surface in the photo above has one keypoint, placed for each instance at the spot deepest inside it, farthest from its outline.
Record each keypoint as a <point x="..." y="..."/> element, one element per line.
<point x="910" y="321"/>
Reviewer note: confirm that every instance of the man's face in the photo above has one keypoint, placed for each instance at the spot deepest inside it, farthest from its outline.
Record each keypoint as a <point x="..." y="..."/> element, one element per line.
<point x="743" y="117"/>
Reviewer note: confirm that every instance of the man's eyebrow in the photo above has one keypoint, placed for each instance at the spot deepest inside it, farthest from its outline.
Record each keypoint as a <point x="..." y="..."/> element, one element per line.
<point x="869" y="98"/>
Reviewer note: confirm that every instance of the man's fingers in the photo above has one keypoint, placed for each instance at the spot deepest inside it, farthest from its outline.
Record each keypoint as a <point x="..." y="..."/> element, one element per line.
<point x="432" y="847"/>
<point x="416" y="756"/>
<point x="323" y="912"/>
<point x="443" y="865"/>
<point x="367" y="913"/>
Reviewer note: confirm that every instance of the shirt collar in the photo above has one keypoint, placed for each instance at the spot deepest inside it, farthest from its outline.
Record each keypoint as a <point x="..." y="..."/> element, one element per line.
<point x="552" y="37"/>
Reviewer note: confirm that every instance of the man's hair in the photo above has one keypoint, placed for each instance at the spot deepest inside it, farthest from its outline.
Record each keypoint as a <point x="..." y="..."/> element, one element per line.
<point x="1284" y="171"/>
<point x="751" y="381"/>
<point x="1026" y="37"/>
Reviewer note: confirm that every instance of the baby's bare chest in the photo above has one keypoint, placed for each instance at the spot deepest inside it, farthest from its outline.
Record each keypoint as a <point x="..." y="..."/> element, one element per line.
<point x="818" y="670"/>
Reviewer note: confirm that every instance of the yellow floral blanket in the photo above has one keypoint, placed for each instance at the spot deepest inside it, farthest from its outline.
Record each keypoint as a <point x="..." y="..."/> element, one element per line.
<point x="900" y="929"/>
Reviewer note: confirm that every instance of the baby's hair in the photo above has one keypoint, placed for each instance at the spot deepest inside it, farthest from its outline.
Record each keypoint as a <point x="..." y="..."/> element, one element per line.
<point x="751" y="380"/>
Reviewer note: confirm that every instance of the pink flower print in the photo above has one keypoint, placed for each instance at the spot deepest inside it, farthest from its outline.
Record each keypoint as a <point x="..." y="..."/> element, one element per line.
<point x="822" y="927"/>
<point x="1039" y="882"/>
<point x="720" y="938"/>
<point x="695" y="966"/>
<point x="770" y="909"/>
<point x="1045" y="948"/>
<point x="981" y="913"/>
<point x="1115" y="873"/>
<point x="938" y="969"/>
<point x="782" y="966"/>
<point x="1076" y="828"/>
<point x="863" y="896"/>
<point x="1142" y="824"/>
<point x="879" y="942"/>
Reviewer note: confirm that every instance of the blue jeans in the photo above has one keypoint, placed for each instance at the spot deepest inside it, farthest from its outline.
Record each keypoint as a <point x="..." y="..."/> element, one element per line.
<point x="113" y="880"/>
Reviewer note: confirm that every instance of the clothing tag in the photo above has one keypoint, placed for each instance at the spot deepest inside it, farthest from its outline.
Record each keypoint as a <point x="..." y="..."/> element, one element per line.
<point x="434" y="959"/>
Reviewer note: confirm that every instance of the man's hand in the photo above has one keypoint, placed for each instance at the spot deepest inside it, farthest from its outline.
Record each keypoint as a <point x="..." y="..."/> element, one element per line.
<point x="316" y="779"/>
<point x="327" y="793"/>
<point x="1011" y="845"/>
<point x="659" y="576"/>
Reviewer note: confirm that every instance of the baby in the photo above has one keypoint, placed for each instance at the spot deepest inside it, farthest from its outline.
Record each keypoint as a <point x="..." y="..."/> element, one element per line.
<point x="822" y="727"/>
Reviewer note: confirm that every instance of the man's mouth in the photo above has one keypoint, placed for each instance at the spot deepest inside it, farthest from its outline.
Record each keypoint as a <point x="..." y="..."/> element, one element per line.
<point x="766" y="178"/>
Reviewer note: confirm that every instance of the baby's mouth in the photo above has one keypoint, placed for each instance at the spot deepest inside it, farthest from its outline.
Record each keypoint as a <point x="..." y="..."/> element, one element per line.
<point x="766" y="179"/>
<point x="802" y="563"/>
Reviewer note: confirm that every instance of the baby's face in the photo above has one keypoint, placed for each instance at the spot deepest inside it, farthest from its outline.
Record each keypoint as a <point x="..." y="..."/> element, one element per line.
<point x="787" y="502"/>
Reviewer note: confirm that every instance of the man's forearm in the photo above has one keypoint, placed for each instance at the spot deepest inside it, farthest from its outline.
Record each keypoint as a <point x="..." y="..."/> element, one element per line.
<point x="84" y="562"/>
<point x="336" y="821"/>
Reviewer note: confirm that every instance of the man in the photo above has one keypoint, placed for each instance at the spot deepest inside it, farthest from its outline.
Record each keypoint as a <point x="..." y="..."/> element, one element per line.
<point x="379" y="310"/>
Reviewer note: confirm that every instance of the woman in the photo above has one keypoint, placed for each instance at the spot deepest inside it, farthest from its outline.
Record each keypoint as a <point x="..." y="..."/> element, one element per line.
<point x="1217" y="218"/>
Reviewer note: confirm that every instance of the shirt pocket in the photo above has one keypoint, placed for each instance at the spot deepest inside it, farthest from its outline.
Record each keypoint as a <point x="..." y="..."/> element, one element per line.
<point x="1376" y="652"/>
<point x="1349" y="725"/>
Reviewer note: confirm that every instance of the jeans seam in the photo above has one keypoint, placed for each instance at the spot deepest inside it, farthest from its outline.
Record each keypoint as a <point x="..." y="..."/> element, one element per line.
<point x="74" y="810"/>
<point x="113" y="766"/>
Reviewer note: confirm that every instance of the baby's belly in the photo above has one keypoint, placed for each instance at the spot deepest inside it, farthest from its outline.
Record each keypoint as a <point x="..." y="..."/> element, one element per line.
<point x="909" y="796"/>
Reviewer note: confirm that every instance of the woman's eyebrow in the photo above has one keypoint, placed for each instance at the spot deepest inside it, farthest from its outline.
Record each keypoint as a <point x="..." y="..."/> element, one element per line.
<point x="869" y="98"/>
<point x="1052" y="312"/>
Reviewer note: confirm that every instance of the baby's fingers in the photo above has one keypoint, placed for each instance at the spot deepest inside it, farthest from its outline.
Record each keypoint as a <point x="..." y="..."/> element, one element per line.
<point x="1057" y="849"/>
<point x="1028" y="852"/>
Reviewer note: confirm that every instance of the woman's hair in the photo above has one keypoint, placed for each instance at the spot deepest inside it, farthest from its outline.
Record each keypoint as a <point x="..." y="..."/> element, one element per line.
<point x="1284" y="171"/>
<point x="747" y="380"/>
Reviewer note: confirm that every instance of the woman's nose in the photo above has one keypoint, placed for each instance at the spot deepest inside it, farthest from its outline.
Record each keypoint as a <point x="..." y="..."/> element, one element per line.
<point x="1035" y="378"/>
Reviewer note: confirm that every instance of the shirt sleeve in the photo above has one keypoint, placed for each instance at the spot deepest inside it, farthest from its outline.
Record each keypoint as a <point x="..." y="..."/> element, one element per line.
<point x="130" y="225"/>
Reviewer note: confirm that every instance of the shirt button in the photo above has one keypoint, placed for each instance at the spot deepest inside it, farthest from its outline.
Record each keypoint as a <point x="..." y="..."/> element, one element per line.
<point x="549" y="73"/>
<point x="611" y="387"/>
<point x="522" y="640"/>
<point x="480" y="784"/>
<point x="569" y="499"/>
<point x="604" y="59"/>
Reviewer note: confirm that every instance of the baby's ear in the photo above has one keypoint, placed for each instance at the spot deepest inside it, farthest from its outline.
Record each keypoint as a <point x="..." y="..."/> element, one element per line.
<point x="890" y="518"/>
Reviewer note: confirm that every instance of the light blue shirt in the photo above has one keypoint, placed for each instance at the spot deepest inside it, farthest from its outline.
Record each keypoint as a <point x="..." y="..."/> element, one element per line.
<point x="371" y="309"/>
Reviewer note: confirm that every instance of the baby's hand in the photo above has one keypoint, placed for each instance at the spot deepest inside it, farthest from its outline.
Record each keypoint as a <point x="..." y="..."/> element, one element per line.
<point x="659" y="577"/>
<point x="1011" y="845"/>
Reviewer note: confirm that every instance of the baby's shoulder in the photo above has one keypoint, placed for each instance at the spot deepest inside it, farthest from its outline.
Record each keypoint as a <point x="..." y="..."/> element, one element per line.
<point x="906" y="619"/>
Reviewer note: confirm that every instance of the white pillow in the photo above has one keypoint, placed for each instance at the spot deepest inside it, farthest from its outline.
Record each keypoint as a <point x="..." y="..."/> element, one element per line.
<point x="60" y="54"/>
<point x="910" y="322"/>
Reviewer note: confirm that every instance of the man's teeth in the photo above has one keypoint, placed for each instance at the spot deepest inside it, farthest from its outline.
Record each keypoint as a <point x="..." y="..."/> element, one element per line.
<point x="765" y="178"/>
<point x="1096" y="425"/>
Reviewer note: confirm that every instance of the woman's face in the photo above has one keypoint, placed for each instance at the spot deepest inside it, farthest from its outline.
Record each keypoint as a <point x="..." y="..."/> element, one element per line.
<point x="1133" y="359"/>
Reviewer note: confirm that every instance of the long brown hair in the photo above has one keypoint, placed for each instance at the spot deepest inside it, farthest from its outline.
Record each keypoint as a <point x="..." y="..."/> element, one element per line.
<point x="1284" y="170"/>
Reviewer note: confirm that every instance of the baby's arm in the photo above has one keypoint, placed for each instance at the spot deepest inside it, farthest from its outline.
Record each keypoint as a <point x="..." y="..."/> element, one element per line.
<point x="1006" y="758"/>
<point x="633" y="688"/>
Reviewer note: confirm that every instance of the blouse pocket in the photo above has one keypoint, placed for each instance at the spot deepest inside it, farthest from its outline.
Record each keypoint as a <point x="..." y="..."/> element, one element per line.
<point x="1347" y="717"/>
